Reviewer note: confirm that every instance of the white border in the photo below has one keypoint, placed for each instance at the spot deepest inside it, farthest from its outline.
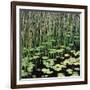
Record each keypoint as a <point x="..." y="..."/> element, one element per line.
<point x="50" y="80"/>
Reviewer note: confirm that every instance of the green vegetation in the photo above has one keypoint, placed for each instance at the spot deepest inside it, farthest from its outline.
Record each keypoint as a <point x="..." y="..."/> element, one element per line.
<point x="50" y="44"/>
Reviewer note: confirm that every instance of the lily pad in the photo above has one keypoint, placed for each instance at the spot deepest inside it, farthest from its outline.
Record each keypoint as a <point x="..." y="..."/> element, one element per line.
<point x="62" y="46"/>
<point x="37" y="54"/>
<point x="72" y="51"/>
<point x="35" y="57"/>
<point x="70" y="71"/>
<point x="77" y="69"/>
<point x="77" y="54"/>
<point x="71" y="44"/>
<point x="62" y="58"/>
<point x="47" y="71"/>
<point x="23" y="73"/>
<point x="24" y="62"/>
<point x="77" y="63"/>
<point x="46" y="76"/>
<point x="66" y="56"/>
<point x="33" y="76"/>
<point x="45" y="57"/>
<point x="75" y="74"/>
<point x="60" y="51"/>
<point x="30" y="67"/>
<point x="48" y="63"/>
<point x="60" y="75"/>
<point x="57" y="67"/>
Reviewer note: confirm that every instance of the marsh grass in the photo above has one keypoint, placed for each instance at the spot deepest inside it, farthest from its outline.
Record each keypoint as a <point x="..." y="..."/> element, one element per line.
<point x="50" y="44"/>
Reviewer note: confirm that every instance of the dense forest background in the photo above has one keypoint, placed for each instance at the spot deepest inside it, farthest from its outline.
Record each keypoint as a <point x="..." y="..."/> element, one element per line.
<point x="50" y="43"/>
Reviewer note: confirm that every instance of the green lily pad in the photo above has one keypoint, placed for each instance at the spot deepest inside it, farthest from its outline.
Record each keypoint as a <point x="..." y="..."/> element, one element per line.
<point x="77" y="63"/>
<point x="24" y="61"/>
<point x="72" y="51"/>
<point x="49" y="62"/>
<point x="62" y="58"/>
<point x="68" y="49"/>
<point x="60" y="51"/>
<point x="75" y="74"/>
<point x="65" y="62"/>
<point x="42" y="76"/>
<point x="71" y="44"/>
<point x="31" y="58"/>
<point x="68" y="35"/>
<point x="60" y="75"/>
<point x="77" y="54"/>
<point x="33" y="76"/>
<point x="37" y="54"/>
<point x="47" y="71"/>
<point x="35" y="57"/>
<point x="52" y="50"/>
<point x="31" y="49"/>
<point x="23" y="73"/>
<point x="66" y="55"/>
<point x="57" y="67"/>
<point x="77" y="69"/>
<point x="62" y="47"/>
<point x="45" y="57"/>
<point x="76" y="37"/>
<point x="30" y="67"/>
<point x="70" y="71"/>
<point x="46" y="76"/>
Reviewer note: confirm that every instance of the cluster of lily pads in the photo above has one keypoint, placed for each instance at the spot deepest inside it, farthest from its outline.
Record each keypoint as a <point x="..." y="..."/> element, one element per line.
<point x="42" y="62"/>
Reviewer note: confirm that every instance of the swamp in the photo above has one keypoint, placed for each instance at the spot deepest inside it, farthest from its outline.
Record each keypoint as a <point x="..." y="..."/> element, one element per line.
<point x="49" y="44"/>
